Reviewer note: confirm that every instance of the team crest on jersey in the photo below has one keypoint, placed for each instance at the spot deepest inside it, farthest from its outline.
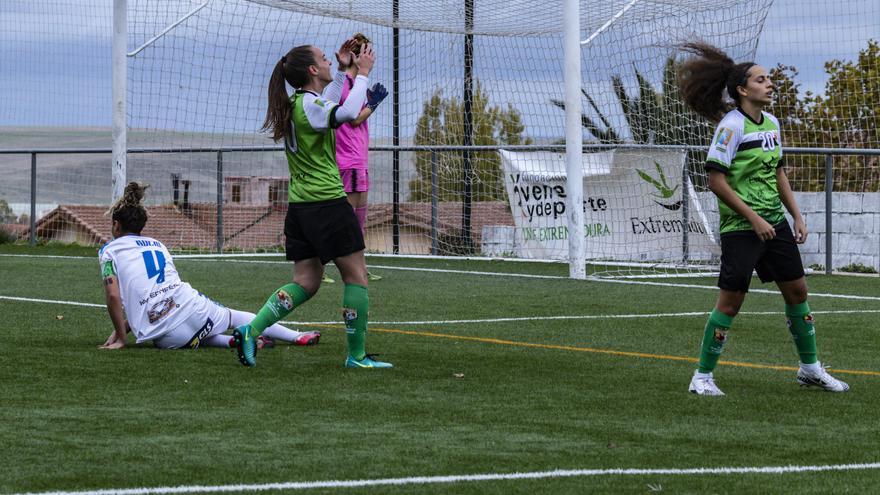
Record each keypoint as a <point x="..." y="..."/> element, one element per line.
<point x="724" y="137"/>
<point x="319" y="102"/>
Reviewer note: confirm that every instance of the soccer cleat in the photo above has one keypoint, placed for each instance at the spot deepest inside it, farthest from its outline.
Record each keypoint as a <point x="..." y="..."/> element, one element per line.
<point x="818" y="377"/>
<point x="373" y="277"/>
<point x="245" y="345"/>
<point x="704" y="384"/>
<point x="366" y="362"/>
<point x="327" y="280"/>
<point x="307" y="338"/>
<point x="264" y="342"/>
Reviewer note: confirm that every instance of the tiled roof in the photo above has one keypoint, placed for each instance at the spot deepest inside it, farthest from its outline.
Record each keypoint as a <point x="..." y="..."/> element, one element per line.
<point x="255" y="226"/>
<point x="166" y="223"/>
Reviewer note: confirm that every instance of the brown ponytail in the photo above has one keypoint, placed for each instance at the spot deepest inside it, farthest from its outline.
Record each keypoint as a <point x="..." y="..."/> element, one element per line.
<point x="703" y="79"/>
<point x="294" y="69"/>
<point x="128" y="210"/>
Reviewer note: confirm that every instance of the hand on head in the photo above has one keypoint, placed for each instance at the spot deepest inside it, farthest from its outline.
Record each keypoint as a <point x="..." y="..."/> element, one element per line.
<point x="345" y="56"/>
<point x="365" y="60"/>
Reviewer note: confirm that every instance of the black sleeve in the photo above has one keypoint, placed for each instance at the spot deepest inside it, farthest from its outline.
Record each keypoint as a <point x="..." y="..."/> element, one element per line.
<point x="716" y="166"/>
<point x="333" y="123"/>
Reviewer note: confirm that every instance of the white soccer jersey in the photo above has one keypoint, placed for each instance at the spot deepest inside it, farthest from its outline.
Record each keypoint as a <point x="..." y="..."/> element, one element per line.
<point x="153" y="296"/>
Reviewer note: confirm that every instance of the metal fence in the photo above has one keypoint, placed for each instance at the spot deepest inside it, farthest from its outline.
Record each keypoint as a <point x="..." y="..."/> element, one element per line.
<point x="827" y="153"/>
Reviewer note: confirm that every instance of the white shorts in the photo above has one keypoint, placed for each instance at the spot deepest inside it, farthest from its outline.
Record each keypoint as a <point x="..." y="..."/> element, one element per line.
<point x="210" y="319"/>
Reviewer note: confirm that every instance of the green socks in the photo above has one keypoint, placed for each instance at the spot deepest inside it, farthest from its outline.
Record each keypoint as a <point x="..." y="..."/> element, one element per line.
<point x="279" y="305"/>
<point x="714" y="337"/>
<point x="355" y="306"/>
<point x="800" y="324"/>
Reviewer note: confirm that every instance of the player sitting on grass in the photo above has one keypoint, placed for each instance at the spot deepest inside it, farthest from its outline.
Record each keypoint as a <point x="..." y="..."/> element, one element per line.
<point x="146" y="297"/>
<point x="746" y="174"/>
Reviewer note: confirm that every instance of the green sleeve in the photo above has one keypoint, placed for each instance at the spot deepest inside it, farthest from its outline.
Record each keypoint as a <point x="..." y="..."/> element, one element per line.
<point x="108" y="270"/>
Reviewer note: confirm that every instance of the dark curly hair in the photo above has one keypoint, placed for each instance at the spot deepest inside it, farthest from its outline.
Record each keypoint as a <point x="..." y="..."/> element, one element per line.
<point x="703" y="79"/>
<point x="128" y="210"/>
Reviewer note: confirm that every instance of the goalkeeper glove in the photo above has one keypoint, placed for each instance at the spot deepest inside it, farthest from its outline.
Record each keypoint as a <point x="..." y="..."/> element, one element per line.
<point x="375" y="95"/>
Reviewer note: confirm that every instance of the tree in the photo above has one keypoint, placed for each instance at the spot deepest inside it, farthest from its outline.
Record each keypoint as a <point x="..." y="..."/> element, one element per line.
<point x="653" y="117"/>
<point x="442" y="123"/>
<point x="846" y="116"/>
<point x="794" y="112"/>
<point x="6" y="214"/>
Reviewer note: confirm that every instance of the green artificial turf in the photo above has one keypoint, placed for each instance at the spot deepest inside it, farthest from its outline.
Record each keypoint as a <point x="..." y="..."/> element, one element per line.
<point x="532" y="394"/>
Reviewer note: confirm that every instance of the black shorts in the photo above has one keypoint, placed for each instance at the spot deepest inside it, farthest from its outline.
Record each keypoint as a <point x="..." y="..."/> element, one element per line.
<point x="776" y="260"/>
<point x="321" y="229"/>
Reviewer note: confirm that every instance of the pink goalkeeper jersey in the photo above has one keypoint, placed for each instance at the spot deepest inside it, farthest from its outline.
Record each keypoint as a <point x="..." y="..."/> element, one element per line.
<point x="352" y="143"/>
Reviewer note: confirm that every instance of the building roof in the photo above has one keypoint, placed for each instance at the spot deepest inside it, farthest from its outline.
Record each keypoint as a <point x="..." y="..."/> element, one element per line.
<point x="254" y="226"/>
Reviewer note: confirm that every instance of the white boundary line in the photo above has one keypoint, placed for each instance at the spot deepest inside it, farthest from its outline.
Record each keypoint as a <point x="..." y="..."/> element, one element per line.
<point x="490" y="320"/>
<point x="51" y="301"/>
<point x="424" y="480"/>
<point x="522" y="275"/>
<point x="592" y="279"/>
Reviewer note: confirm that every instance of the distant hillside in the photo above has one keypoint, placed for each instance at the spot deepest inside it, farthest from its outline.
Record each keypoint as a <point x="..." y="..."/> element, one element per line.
<point x="85" y="178"/>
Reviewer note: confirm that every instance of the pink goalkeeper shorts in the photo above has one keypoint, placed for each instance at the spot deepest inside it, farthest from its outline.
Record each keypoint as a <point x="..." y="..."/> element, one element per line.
<point x="355" y="180"/>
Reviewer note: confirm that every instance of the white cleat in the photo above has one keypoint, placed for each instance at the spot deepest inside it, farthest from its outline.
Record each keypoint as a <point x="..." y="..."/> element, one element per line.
<point x="704" y="384"/>
<point x="816" y="376"/>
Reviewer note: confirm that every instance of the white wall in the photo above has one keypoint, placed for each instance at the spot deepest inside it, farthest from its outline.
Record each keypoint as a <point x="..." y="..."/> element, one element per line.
<point x="855" y="228"/>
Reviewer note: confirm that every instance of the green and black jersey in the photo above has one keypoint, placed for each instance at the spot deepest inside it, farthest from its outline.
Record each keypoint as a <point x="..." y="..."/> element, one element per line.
<point x="748" y="152"/>
<point x="311" y="150"/>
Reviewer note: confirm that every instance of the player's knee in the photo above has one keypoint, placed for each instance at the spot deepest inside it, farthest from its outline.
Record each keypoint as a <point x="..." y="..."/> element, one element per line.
<point x="309" y="284"/>
<point x="729" y="306"/>
<point x="730" y="309"/>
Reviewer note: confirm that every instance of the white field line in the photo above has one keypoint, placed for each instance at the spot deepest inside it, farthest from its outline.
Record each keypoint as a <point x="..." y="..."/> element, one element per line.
<point x="592" y="279"/>
<point x="490" y="320"/>
<point x="51" y="301"/>
<point x="425" y="480"/>
<point x="410" y="268"/>
<point x="6" y="255"/>
<point x="523" y="275"/>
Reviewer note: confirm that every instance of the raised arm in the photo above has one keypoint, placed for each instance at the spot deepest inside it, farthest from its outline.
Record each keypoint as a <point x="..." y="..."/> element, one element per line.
<point x="350" y="110"/>
<point x="345" y="58"/>
<point x="375" y="95"/>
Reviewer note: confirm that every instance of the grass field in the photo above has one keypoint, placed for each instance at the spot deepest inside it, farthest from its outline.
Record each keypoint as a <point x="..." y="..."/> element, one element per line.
<point x="495" y="374"/>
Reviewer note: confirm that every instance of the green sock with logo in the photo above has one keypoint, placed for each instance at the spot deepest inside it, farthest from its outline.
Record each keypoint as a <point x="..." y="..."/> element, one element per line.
<point x="279" y="305"/>
<point x="355" y="307"/>
<point x="800" y="324"/>
<point x="714" y="337"/>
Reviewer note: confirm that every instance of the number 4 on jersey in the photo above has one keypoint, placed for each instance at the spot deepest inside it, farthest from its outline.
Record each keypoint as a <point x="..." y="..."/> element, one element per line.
<point x="154" y="261"/>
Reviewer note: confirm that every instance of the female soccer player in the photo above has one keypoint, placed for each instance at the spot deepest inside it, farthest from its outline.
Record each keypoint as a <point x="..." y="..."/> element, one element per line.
<point x="320" y="225"/>
<point x="352" y="144"/>
<point x="146" y="296"/>
<point x="746" y="174"/>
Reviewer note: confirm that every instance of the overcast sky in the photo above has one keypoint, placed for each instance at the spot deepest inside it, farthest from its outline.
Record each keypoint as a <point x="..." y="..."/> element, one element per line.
<point x="55" y="60"/>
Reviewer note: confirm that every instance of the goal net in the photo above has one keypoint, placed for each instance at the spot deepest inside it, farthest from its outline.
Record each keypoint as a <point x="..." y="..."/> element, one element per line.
<point x="467" y="155"/>
<point x="202" y="85"/>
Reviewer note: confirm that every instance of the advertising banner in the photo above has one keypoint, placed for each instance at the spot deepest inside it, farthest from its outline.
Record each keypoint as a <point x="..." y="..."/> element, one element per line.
<point x="636" y="207"/>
